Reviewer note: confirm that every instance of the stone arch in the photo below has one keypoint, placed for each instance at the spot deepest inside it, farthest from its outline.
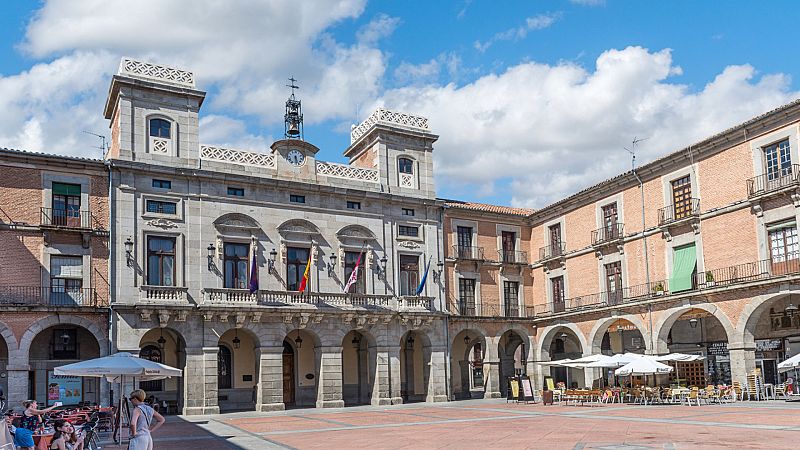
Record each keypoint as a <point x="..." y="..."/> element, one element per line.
<point x="549" y="332"/>
<point x="465" y="376"/>
<point x="601" y="326"/>
<point x="8" y="337"/>
<point x="751" y="313"/>
<point x="355" y="232"/>
<point x="666" y="321"/>
<point x="237" y="221"/>
<point x="298" y="226"/>
<point x="214" y="333"/>
<point x="61" y="319"/>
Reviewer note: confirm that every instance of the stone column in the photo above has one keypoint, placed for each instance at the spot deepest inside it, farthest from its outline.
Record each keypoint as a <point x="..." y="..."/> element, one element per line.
<point x="17" y="384"/>
<point x="491" y="371"/>
<point x="329" y="382"/>
<point x="388" y="377"/>
<point x="269" y="396"/>
<point x="437" y="375"/>
<point x="200" y="381"/>
<point x="743" y="361"/>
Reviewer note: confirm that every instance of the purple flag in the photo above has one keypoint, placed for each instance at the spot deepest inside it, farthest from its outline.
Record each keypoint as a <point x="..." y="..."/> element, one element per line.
<point x="254" y="275"/>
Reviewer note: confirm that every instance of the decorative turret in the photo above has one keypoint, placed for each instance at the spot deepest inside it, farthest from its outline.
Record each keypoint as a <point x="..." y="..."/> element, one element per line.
<point x="293" y="119"/>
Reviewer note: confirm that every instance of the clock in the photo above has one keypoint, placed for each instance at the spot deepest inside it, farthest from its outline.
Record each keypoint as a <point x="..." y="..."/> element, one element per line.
<point x="295" y="157"/>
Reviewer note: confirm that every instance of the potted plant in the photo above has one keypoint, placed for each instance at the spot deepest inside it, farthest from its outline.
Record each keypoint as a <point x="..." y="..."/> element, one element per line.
<point x="710" y="279"/>
<point x="658" y="289"/>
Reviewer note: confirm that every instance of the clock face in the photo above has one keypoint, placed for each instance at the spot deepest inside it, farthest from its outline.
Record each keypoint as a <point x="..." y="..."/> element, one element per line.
<point x="296" y="157"/>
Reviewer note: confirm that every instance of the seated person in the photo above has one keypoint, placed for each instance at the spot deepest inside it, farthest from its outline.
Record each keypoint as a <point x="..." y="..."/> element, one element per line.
<point x="65" y="436"/>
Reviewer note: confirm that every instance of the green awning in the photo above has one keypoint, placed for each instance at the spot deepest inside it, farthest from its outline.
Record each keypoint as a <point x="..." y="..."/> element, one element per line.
<point x="66" y="189"/>
<point x="684" y="261"/>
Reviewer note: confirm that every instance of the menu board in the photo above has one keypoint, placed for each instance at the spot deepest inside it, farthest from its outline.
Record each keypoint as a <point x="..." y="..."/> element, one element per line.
<point x="65" y="389"/>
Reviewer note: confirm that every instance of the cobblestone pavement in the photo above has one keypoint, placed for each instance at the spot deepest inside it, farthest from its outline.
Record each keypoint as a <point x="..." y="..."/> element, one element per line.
<point x="494" y="424"/>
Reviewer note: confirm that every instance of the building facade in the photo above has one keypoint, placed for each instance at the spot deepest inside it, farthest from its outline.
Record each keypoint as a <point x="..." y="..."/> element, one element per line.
<point x="696" y="252"/>
<point x="54" y="283"/>
<point x="211" y="245"/>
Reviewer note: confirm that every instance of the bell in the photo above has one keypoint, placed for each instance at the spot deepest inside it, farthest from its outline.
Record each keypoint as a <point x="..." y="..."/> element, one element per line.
<point x="293" y="129"/>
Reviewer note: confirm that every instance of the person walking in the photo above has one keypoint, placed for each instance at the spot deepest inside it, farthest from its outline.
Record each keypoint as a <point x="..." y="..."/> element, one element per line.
<point x="142" y="422"/>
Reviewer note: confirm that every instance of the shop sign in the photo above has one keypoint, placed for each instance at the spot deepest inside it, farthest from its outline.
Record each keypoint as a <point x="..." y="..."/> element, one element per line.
<point x="65" y="389"/>
<point x="769" y="345"/>
<point x="717" y="348"/>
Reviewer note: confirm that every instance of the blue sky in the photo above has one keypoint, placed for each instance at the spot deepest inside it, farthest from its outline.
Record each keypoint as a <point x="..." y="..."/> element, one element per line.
<point x="533" y="100"/>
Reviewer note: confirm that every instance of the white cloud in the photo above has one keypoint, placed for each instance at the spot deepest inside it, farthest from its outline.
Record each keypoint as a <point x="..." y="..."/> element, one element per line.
<point x="231" y="133"/>
<point x="538" y="22"/>
<point x="555" y="129"/>
<point x="427" y="72"/>
<point x="379" y="28"/>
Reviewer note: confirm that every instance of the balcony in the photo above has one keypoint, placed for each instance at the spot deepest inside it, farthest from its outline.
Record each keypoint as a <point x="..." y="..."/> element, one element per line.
<point x="163" y="294"/>
<point x="469" y="309"/>
<point x="683" y="211"/>
<point x="468" y="253"/>
<point x="513" y="257"/>
<point x="47" y="296"/>
<point x="608" y="234"/>
<point x="552" y="251"/>
<point x="773" y="182"/>
<point x="68" y="219"/>
<point x="243" y="297"/>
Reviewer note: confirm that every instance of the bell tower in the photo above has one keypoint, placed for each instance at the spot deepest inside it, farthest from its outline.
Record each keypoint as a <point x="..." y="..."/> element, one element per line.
<point x="293" y="119"/>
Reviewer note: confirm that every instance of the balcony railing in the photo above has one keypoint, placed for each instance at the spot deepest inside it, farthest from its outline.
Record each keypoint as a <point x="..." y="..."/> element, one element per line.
<point x="235" y="297"/>
<point x="463" y="252"/>
<point x="67" y="218"/>
<point x="513" y="257"/>
<point x="679" y="211"/>
<point x="610" y="233"/>
<point x="775" y="181"/>
<point x="464" y="308"/>
<point x="554" y="250"/>
<point x="47" y="296"/>
<point x="164" y="294"/>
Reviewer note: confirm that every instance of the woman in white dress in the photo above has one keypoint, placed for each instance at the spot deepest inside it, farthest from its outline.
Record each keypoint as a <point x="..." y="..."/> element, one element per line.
<point x="142" y="422"/>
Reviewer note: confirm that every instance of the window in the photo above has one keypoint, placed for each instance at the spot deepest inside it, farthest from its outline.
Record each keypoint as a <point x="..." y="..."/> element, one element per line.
<point x="66" y="280"/>
<point x="783" y="247"/>
<point x="236" y="192"/>
<point x="66" y="205"/>
<point x="464" y="242"/>
<point x="161" y="207"/>
<point x="466" y="296"/>
<point x="614" y="282"/>
<point x="297" y="198"/>
<point x="555" y="239"/>
<point x="409" y="274"/>
<point x="350" y="261"/>
<point x="296" y="260"/>
<point x="610" y="221"/>
<point x="405" y="165"/>
<point x="151" y="353"/>
<point x="235" y="261"/>
<point x="408" y="212"/>
<point x="353" y="205"/>
<point x="684" y="268"/>
<point x="160" y="261"/>
<point x="64" y="344"/>
<point x="511" y="298"/>
<point x="407" y="230"/>
<point x="224" y="368"/>
<point x="160" y="128"/>
<point x="557" y="292"/>
<point x="682" y="197"/>
<point x="509" y="243"/>
<point x="778" y="159"/>
<point x="162" y="184"/>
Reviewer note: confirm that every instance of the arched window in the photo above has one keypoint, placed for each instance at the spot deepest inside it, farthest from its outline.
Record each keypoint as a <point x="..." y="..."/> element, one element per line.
<point x="406" y="165"/>
<point x="152" y="353"/>
<point x="224" y="368"/>
<point x="160" y="128"/>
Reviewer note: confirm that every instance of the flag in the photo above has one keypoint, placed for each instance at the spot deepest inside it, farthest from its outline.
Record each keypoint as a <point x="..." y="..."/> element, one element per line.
<point x="304" y="281"/>
<point x="254" y="274"/>
<point x="353" y="276"/>
<point x="424" y="278"/>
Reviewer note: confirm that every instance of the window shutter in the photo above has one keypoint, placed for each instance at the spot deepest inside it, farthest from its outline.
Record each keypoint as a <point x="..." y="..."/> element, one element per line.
<point x="66" y="189"/>
<point x="683" y="264"/>
<point x="66" y="267"/>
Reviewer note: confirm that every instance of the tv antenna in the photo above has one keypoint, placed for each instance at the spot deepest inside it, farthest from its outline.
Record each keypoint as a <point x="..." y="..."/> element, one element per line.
<point x="102" y="146"/>
<point x="632" y="150"/>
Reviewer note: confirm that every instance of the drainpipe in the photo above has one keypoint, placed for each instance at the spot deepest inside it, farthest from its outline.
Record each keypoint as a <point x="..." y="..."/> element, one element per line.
<point x="646" y="256"/>
<point x="111" y="263"/>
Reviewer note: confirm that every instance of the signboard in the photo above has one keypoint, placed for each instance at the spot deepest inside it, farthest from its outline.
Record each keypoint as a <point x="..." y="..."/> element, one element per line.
<point x="514" y="388"/>
<point x="63" y="388"/>
<point x="527" y="389"/>
<point x="717" y="348"/>
<point x="548" y="381"/>
<point x="769" y="345"/>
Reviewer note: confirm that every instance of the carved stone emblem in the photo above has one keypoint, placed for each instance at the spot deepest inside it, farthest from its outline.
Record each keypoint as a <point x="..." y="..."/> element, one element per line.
<point x="162" y="223"/>
<point x="408" y="244"/>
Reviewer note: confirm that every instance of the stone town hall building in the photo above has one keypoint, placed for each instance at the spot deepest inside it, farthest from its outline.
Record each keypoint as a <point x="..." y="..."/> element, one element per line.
<point x="156" y="249"/>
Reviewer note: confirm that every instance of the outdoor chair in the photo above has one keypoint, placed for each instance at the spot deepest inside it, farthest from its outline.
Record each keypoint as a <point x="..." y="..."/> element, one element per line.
<point x="780" y="391"/>
<point x="693" y="397"/>
<point x="737" y="391"/>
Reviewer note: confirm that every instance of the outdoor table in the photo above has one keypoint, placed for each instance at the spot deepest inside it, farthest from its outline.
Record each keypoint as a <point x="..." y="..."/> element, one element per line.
<point x="46" y="437"/>
<point x="680" y="393"/>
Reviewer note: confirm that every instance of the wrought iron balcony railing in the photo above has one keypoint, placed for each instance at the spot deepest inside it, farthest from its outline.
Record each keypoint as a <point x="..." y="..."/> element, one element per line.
<point x="773" y="181"/>
<point x="610" y="233"/>
<point x="470" y="309"/>
<point x="554" y="250"/>
<point x="47" y="296"/>
<point x="68" y="218"/>
<point x="513" y="257"/>
<point x="679" y="211"/>
<point x="470" y="253"/>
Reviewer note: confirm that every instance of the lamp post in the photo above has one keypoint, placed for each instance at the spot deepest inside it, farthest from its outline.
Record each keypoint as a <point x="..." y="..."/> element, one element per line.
<point x="129" y="252"/>
<point x="273" y="255"/>
<point x="236" y="341"/>
<point x="332" y="264"/>
<point x="298" y="341"/>
<point x="437" y="274"/>
<point x="210" y="256"/>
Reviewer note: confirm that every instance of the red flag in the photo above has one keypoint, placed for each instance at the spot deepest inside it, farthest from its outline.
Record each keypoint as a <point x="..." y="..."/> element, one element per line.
<point x="304" y="281"/>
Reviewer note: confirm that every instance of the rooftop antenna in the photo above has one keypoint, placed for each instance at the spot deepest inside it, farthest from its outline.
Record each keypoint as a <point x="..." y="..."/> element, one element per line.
<point x="632" y="151"/>
<point x="293" y="119"/>
<point x="102" y="146"/>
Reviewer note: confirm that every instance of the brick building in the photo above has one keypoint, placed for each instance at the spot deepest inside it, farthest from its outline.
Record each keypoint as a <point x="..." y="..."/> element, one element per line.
<point x="696" y="252"/>
<point x="54" y="284"/>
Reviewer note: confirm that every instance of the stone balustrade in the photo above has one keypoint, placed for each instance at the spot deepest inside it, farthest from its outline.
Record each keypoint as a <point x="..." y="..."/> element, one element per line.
<point x="163" y="294"/>
<point x="347" y="172"/>
<point x="391" y="118"/>
<point x="232" y="156"/>
<point x="241" y="297"/>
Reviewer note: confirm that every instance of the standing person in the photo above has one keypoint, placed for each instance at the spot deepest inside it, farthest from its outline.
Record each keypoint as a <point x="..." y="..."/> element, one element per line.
<point x="28" y="423"/>
<point x="142" y="422"/>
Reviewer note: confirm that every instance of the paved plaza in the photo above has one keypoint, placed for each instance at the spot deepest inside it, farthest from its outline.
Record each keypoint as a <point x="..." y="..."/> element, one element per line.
<point x="494" y="424"/>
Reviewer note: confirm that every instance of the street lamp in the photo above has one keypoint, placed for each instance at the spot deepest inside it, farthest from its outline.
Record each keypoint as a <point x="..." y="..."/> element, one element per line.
<point x="210" y="250"/>
<point x="437" y="274"/>
<point x="466" y="340"/>
<point x="129" y="252"/>
<point x="693" y="322"/>
<point x="791" y="309"/>
<point x="65" y="338"/>
<point x="332" y="264"/>
<point x="410" y="342"/>
<point x="273" y="255"/>
<point x="161" y="341"/>
<point x="236" y="341"/>
<point x="356" y="342"/>
<point x="298" y="341"/>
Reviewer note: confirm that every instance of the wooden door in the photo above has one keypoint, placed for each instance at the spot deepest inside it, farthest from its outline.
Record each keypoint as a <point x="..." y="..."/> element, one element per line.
<point x="682" y="197"/>
<point x="610" y="221"/>
<point x="509" y="245"/>
<point x="784" y="250"/>
<point x="614" y="282"/>
<point x="288" y="377"/>
<point x="557" y="287"/>
<point x="555" y="240"/>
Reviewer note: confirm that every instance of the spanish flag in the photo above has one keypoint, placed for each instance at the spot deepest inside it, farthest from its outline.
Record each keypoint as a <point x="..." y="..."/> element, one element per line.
<point x="304" y="281"/>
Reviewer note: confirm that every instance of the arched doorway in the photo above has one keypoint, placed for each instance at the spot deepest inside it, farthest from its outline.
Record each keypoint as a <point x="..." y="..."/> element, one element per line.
<point x="300" y="369"/>
<point x="415" y="358"/>
<point x="622" y="336"/>
<point x="166" y="346"/>
<point x="466" y="362"/>
<point x="237" y="371"/>
<point x="55" y="346"/>
<point x="774" y="327"/>
<point x="512" y="350"/>
<point x="3" y="364"/>
<point x="359" y="366"/>
<point x="565" y="344"/>
<point x="697" y="332"/>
